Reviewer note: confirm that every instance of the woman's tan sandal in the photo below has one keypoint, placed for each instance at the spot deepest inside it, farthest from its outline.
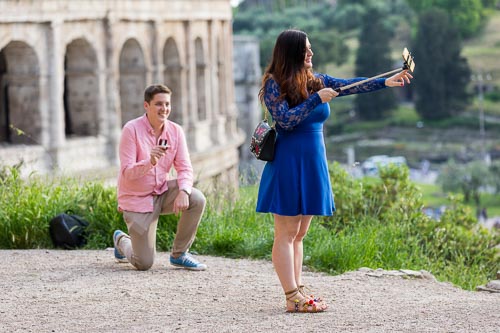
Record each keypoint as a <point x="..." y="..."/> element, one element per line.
<point x="301" y="303"/>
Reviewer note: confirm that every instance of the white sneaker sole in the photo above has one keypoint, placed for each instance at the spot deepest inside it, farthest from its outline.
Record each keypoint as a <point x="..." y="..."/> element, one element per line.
<point x="199" y="268"/>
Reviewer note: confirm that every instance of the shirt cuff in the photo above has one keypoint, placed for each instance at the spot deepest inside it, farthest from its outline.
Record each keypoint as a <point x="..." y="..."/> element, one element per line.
<point x="187" y="190"/>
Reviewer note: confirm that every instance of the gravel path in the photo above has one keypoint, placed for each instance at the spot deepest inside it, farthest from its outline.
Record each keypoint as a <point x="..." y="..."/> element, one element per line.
<point x="86" y="291"/>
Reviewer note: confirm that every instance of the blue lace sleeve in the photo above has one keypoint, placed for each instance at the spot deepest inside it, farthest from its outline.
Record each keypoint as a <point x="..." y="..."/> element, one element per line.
<point x="286" y="117"/>
<point x="334" y="83"/>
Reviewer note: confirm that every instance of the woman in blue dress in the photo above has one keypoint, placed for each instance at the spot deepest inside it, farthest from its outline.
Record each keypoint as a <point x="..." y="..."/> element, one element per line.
<point x="295" y="186"/>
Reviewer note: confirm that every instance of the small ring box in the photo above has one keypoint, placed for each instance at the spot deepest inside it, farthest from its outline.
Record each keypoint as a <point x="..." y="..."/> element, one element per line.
<point x="163" y="143"/>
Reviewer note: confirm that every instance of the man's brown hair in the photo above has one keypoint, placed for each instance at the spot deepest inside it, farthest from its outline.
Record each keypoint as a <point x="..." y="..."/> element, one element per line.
<point x="154" y="89"/>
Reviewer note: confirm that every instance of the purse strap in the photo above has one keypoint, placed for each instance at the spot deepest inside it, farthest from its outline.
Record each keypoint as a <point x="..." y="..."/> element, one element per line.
<point x="266" y="118"/>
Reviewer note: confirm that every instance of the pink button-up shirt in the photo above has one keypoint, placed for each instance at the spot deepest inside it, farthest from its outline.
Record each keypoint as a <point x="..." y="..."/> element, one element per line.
<point x="139" y="181"/>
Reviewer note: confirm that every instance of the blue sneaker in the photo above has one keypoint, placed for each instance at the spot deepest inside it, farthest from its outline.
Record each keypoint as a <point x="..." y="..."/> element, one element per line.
<point x="186" y="261"/>
<point x="118" y="255"/>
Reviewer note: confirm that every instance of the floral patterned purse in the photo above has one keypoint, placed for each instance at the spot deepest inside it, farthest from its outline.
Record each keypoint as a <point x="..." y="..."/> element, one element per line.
<point x="263" y="140"/>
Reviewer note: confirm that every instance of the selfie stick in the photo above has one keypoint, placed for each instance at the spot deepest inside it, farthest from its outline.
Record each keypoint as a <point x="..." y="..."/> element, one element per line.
<point x="409" y="64"/>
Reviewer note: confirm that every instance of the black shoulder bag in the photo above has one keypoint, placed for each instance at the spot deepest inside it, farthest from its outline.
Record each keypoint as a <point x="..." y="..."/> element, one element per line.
<point x="263" y="140"/>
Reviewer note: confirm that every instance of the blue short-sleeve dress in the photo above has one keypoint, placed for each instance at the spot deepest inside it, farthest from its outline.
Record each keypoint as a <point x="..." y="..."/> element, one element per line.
<point x="297" y="181"/>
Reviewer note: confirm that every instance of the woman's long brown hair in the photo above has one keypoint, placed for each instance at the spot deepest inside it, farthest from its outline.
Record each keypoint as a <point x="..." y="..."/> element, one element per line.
<point x="287" y="69"/>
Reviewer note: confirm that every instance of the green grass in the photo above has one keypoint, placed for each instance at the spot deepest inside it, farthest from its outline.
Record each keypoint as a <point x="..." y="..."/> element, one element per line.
<point x="378" y="224"/>
<point x="28" y="205"/>
<point x="432" y="195"/>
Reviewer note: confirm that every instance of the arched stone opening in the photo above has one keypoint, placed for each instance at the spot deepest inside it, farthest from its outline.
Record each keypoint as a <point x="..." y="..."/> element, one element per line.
<point x="81" y="89"/>
<point x="132" y="80"/>
<point x="20" y="119"/>
<point x="200" y="80"/>
<point x="172" y="76"/>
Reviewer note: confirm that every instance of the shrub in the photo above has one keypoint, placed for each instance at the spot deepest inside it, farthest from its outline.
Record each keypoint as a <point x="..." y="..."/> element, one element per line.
<point x="379" y="223"/>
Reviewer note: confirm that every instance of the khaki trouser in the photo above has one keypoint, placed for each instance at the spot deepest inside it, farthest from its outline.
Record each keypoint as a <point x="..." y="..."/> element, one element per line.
<point x="140" y="246"/>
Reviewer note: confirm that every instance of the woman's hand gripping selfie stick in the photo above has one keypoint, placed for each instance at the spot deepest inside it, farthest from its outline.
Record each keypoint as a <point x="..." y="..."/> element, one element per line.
<point x="409" y="64"/>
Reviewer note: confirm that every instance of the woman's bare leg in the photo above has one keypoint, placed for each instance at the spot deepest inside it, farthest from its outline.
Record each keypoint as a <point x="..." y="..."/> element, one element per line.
<point x="287" y="260"/>
<point x="285" y="231"/>
<point x="298" y="247"/>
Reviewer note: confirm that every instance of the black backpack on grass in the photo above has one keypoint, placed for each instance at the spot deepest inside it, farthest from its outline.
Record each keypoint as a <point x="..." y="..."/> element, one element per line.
<point x="67" y="231"/>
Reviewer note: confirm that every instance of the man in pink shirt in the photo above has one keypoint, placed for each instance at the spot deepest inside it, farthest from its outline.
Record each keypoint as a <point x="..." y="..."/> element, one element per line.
<point x="149" y="146"/>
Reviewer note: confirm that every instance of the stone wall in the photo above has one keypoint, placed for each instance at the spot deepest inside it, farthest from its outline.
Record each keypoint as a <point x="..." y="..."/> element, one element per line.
<point x="73" y="72"/>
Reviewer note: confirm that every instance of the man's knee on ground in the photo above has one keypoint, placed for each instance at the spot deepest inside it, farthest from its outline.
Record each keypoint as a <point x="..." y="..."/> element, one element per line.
<point x="144" y="265"/>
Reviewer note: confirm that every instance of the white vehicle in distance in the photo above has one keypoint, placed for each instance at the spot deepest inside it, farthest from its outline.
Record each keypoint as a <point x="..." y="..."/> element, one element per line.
<point x="372" y="164"/>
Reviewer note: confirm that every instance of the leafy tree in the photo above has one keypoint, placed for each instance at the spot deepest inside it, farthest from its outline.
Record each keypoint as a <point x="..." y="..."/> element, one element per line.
<point x="442" y="74"/>
<point x="349" y="14"/>
<point x="257" y="18"/>
<point x="328" y="48"/>
<point x="467" y="179"/>
<point x="468" y="16"/>
<point x="490" y="4"/>
<point x="373" y="57"/>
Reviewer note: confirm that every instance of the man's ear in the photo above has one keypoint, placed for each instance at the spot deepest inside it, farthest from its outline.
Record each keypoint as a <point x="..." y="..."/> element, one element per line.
<point x="146" y="105"/>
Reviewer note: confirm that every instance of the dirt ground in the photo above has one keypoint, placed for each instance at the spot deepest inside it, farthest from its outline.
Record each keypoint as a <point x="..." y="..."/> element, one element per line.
<point x="86" y="291"/>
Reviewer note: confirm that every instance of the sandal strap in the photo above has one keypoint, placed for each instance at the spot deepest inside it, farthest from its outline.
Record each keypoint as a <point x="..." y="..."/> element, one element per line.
<point x="291" y="293"/>
<point x="303" y="288"/>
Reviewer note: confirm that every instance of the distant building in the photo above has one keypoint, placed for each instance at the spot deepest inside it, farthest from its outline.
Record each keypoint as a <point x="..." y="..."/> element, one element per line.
<point x="73" y="72"/>
<point x="247" y="81"/>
